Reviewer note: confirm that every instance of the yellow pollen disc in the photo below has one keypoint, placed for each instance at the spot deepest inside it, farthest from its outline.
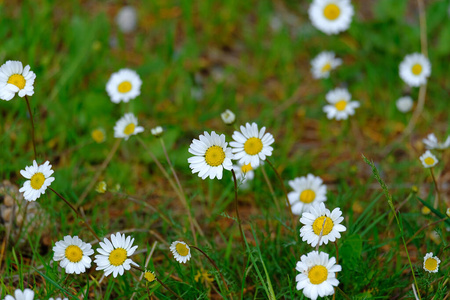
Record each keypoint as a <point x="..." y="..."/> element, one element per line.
<point x="246" y="168"/>
<point x="73" y="253"/>
<point x="318" y="274"/>
<point x="253" y="146"/>
<point x="37" y="180"/>
<point x="18" y="80"/>
<point x="429" y="161"/>
<point x="182" y="249"/>
<point x="340" y="105"/>
<point x="129" y="129"/>
<point x="307" y="196"/>
<point x="214" y="157"/>
<point x="318" y="224"/>
<point x="431" y="264"/>
<point x="124" y="87"/>
<point x="331" y="11"/>
<point x="98" y="135"/>
<point x="326" y="68"/>
<point x="150" y="276"/>
<point x="117" y="257"/>
<point x="416" y="69"/>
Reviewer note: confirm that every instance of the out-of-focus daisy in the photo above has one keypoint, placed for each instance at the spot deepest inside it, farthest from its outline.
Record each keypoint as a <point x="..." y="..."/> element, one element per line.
<point x="211" y="155"/>
<point x="320" y="218"/>
<point x="228" y="117"/>
<point x="431" y="263"/>
<point x="404" y="104"/>
<point x="39" y="180"/>
<point x="331" y="16"/>
<point x="113" y="257"/>
<point x="14" y="78"/>
<point x="26" y="294"/>
<point x="127" y="126"/>
<point x="98" y="135"/>
<point x="73" y="254"/>
<point x="101" y="187"/>
<point x="308" y="190"/>
<point x="181" y="251"/>
<point x="323" y="63"/>
<point x="340" y="106"/>
<point x="157" y="131"/>
<point x="428" y="159"/>
<point x="425" y="210"/>
<point x="431" y="142"/>
<point x="124" y="85"/>
<point x="448" y="212"/>
<point x="251" y="145"/>
<point x="244" y="174"/>
<point x="126" y="19"/>
<point x="149" y="276"/>
<point x="415" y="69"/>
<point x="317" y="274"/>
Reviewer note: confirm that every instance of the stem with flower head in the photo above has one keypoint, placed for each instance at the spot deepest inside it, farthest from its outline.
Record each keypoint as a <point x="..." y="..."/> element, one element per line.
<point x="159" y="281"/>
<point x="437" y="199"/>
<point x="32" y="126"/>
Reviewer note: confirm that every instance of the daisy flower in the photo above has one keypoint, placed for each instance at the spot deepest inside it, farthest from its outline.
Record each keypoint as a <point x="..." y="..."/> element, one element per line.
<point x="250" y="145"/>
<point x="317" y="274"/>
<point x="244" y="174"/>
<point x="73" y="254"/>
<point x="308" y="190"/>
<point x="331" y="16"/>
<point x="320" y="218"/>
<point x="323" y="63"/>
<point x="181" y="251"/>
<point x="404" y="104"/>
<point x="228" y="117"/>
<point x="124" y="85"/>
<point x="127" y="126"/>
<point x="26" y="294"/>
<point x="211" y="155"/>
<point x="157" y="131"/>
<point x="150" y="276"/>
<point x="98" y="135"/>
<point x="340" y="106"/>
<point x="431" y="142"/>
<point x="428" y="159"/>
<point x="39" y="180"/>
<point x="113" y="257"/>
<point x="15" y="78"/>
<point x="431" y="263"/>
<point x="415" y="69"/>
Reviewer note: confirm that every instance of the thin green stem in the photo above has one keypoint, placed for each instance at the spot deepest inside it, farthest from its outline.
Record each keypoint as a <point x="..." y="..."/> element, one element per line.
<point x="32" y="126"/>
<point x="438" y="197"/>
<point x="159" y="281"/>
<point x="272" y="192"/>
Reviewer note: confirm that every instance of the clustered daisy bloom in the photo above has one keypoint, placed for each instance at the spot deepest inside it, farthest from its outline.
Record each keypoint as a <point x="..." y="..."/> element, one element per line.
<point x="415" y="69"/>
<point x="73" y="254"/>
<point x="331" y="16"/>
<point x="428" y="159"/>
<point x="124" y="85"/>
<point x="340" y="106"/>
<point x="431" y="142"/>
<point x="39" y="180"/>
<point x="26" y="294"/>
<point x="308" y="190"/>
<point x="431" y="263"/>
<point x="323" y="63"/>
<point x="14" y="78"/>
<point x="181" y="251"/>
<point x="127" y="126"/>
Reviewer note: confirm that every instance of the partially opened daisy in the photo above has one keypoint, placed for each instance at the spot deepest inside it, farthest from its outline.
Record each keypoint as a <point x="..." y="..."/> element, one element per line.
<point x="340" y="106"/>
<point x="428" y="159"/>
<point x="127" y="126"/>
<point x="331" y="16"/>
<point x="415" y="69"/>
<point x="113" y="257"/>
<point x="244" y="174"/>
<point x="73" y="254"/>
<point x="321" y="225"/>
<point x="404" y="104"/>
<point x="39" y="180"/>
<point x="124" y="85"/>
<point x="323" y="63"/>
<point x="431" y="263"/>
<point x="26" y="294"/>
<point x="14" y="78"/>
<point x="308" y="190"/>
<point x="181" y="251"/>
<point x="431" y="142"/>
<point x="250" y="146"/>
<point x="211" y="155"/>
<point x="317" y="274"/>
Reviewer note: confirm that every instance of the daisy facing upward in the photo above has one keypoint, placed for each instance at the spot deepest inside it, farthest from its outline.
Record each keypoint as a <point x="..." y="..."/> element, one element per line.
<point x="73" y="254"/>
<point x="124" y="85"/>
<point x="38" y="180"/>
<point x="340" y="105"/>
<point x="331" y="16"/>
<point x="415" y="69"/>
<point x="308" y="190"/>
<point x="323" y="63"/>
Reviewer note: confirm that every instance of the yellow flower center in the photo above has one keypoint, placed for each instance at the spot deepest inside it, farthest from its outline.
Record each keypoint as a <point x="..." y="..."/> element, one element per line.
<point x="149" y="276"/>
<point x="182" y="249"/>
<point x="18" y="80"/>
<point x="331" y="11"/>
<point x="246" y="168"/>
<point x="340" y="105"/>
<point x="307" y="196"/>
<point x="129" y="129"/>
<point x="74" y="253"/>
<point x="429" y="161"/>
<point x="431" y="264"/>
<point x="98" y="135"/>
<point x="37" y="180"/>
<point x="214" y="156"/>
<point x="318" y="274"/>
<point x="326" y="67"/>
<point x="318" y="224"/>
<point x="253" y="146"/>
<point x="124" y="87"/>
<point x="117" y="257"/>
<point x="416" y="69"/>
